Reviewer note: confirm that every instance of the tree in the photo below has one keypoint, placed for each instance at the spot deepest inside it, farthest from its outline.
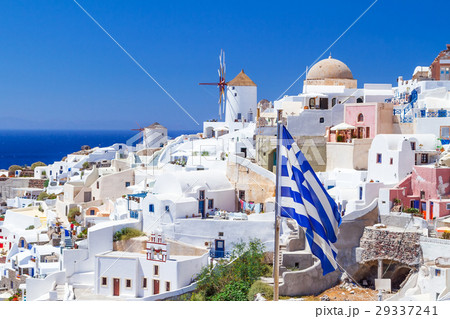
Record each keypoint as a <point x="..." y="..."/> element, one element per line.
<point x="13" y="168"/>
<point x="74" y="211"/>
<point x="232" y="280"/>
<point x="37" y="164"/>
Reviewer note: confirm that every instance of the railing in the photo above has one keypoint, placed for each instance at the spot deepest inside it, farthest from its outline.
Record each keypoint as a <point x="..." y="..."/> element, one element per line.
<point x="439" y="113"/>
<point x="135" y="213"/>
<point x="219" y="254"/>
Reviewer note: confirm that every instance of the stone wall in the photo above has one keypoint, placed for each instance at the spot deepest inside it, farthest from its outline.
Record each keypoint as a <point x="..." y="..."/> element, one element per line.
<point x="7" y="186"/>
<point x="257" y="188"/>
<point x="313" y="147"/>
<point x="36" y="183"/>
<point x="11" y="281"/>
<point x="391" y="243"/>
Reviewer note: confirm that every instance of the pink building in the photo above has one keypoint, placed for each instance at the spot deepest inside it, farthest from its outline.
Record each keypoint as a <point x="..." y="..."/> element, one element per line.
<point x="365" y="121"/>
<point x="369" y="119"/>
<point x="427" y="189"/>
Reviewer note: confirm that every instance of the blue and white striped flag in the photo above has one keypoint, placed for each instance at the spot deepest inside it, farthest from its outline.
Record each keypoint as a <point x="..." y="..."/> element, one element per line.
<point x="303" y="198"/>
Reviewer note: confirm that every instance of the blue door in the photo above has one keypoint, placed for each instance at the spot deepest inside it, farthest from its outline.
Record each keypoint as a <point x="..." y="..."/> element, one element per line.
<point x="220" y="248"/>
<point x="201" y="207"/>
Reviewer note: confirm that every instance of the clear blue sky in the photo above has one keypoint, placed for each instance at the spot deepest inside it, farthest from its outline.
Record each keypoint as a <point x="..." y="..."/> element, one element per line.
<point x="61" y="71"/>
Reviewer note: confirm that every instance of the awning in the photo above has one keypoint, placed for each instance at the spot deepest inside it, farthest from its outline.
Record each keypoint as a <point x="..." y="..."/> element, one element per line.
<point x="144" y="194"/>
<point x="443" y="229"/>
<point x="342" y="127"/>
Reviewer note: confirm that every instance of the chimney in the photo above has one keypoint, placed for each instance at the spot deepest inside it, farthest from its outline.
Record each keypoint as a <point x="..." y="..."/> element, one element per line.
<point x="448" y="47"/>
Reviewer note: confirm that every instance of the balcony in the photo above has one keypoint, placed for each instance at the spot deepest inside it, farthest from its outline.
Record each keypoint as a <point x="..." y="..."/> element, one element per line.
<point x="219" y="254"/>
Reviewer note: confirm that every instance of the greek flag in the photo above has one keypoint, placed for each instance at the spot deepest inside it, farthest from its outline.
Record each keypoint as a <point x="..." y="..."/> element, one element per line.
<point x="303" y="198"/>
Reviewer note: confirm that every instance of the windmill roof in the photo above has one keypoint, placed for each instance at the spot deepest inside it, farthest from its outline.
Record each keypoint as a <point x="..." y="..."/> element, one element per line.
<point x="155" y="125"/>
<point x="241" y="79"/>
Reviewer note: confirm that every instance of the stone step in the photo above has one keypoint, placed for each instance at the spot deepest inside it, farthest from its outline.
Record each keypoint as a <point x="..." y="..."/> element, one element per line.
<point x="60" y="292"/>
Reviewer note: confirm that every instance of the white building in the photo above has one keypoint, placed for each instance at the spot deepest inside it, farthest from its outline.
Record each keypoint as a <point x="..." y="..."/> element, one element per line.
<point x="392" y="156"/>
<point x="139" y="275"/>
<point x="328" y="83"/>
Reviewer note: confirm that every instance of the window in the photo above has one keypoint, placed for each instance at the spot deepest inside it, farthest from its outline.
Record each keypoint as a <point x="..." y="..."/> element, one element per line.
<point x="144" y="283"/>
<point x="92" y="212"/>
<point x="424" y="158"/>
<point x="98" y="185"/>
<point x="167" y="208"/>
<point x="156" y="270"/>
<point x="239" y="116"/>
<point x="151" y="208"/>
<point x="360" y="117"/>
<point x="413" y="146"/>
<point x="210" y="203"/>
<point x="220" y="234"/>
<point x="333" y="101"/>
<point x="437" y="272"/>
<point x="242" y="195"/>
<point x="445" y="132"/>
<point x="167" y="285"/>
<point x="379" y="158"/>
<point x="391" y="161"/>
<point x="201" y="194"/>
<point x="127" y="184"/>
<point x="128" y="283"/>
<point x="448" y="206"/>
<point x="321" y="120"/>
<point x="312" y="103"/>
<point x="104" y="281"/>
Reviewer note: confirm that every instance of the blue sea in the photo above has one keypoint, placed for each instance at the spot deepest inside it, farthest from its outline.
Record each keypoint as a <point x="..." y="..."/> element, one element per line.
<point x="24" y="147"/>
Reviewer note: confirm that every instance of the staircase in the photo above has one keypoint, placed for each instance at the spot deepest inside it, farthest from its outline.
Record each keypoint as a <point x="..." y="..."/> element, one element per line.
<point x="68" y="242"/>
<point x="60" y="292"/>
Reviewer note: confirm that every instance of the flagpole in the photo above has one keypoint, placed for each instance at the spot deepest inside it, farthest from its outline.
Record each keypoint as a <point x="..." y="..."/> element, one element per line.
<point x="276" y="254"/>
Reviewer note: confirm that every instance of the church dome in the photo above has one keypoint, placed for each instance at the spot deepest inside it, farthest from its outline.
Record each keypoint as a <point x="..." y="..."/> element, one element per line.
<point x="329" y="69"/>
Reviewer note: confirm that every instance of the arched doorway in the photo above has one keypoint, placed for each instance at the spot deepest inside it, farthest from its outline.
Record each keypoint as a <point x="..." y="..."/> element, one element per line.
<point x="272" y="161"/>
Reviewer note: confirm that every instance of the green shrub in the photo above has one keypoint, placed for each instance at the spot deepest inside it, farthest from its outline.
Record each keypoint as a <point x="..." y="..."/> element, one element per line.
<point x="127" y="233"/>
<point x="46" y="183"/>
<point x="13" y="168"/>
<point x="232" y="281"/>
<point x="262" y="288"/>
<point x="82" y="234"/>
<point x="42" y="196"/>
<point x="446" y="236"/>
<point x="29" y="227"/>
<point x="52" y="196"/>
<point x="37" y="164"/>
<point x="86" y="165"/>
<point x="74" y="211"/>
<point x="233" y="291"/>
<point x="413" y="211"/>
